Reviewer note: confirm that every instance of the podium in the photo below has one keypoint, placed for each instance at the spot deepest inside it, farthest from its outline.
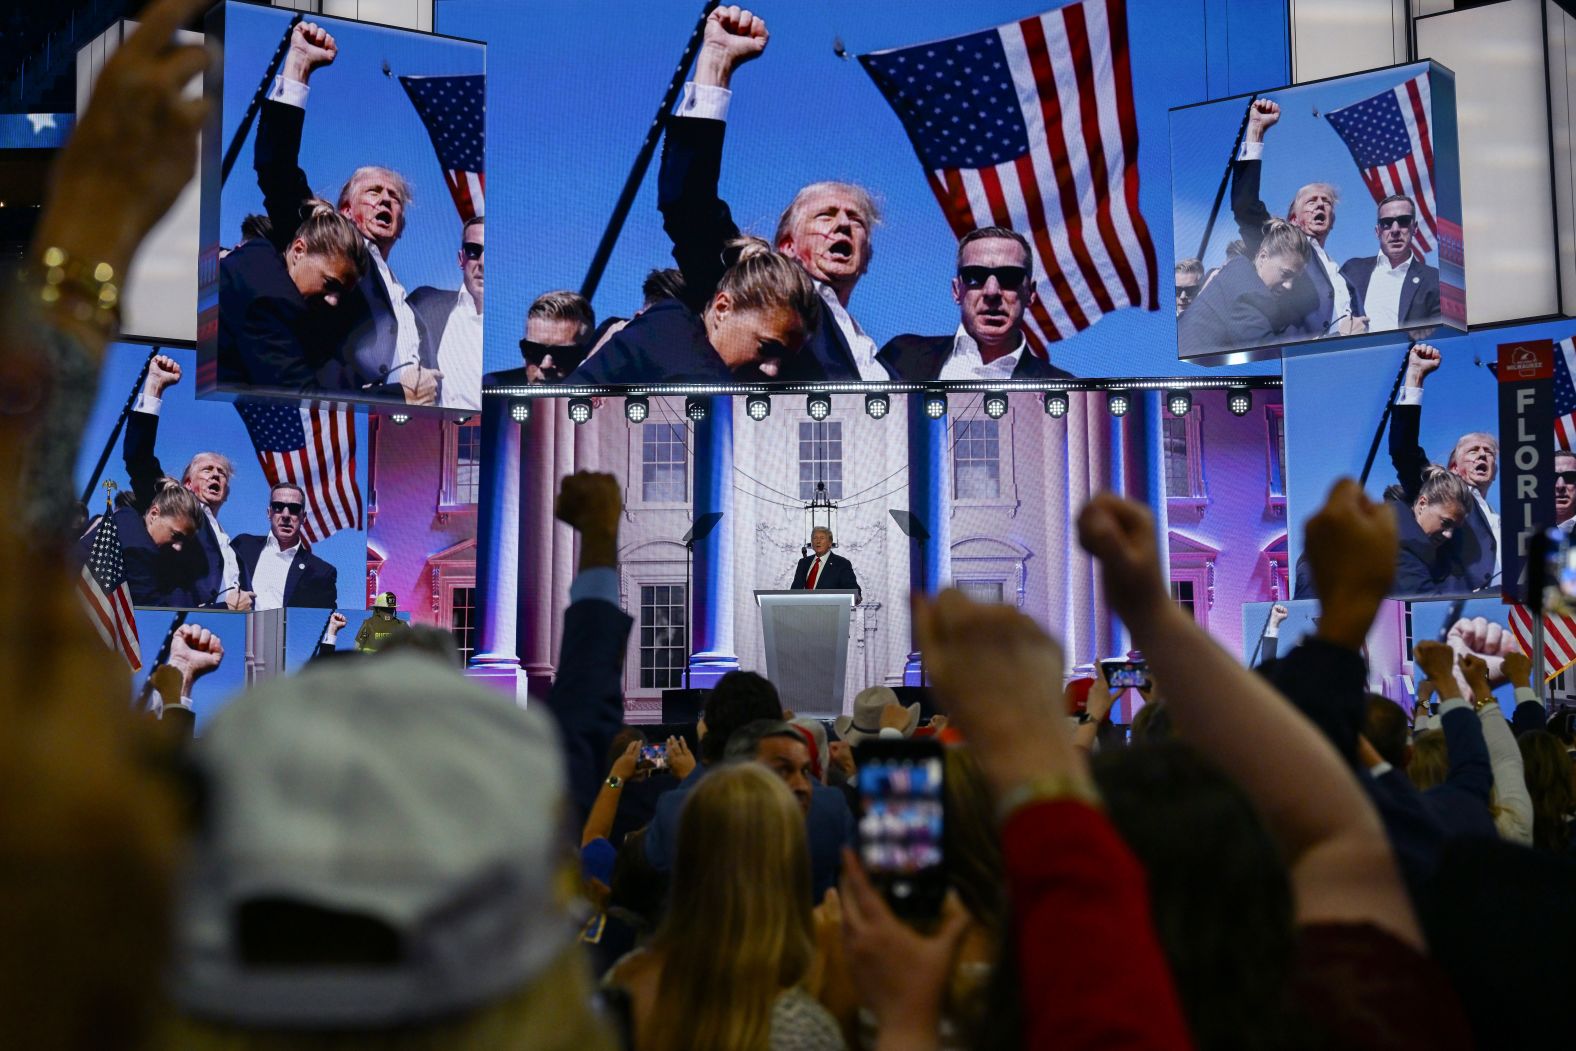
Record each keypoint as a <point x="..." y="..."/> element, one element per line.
<point x="807" y="647"/>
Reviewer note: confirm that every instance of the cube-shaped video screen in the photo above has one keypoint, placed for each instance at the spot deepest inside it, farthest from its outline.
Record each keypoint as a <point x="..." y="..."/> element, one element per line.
<point x="1324" y="211"/>
<point x="343" y="213"/>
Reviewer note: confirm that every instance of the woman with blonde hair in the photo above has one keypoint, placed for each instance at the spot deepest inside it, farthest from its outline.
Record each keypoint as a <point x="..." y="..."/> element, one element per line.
<point x="724" y="970"/>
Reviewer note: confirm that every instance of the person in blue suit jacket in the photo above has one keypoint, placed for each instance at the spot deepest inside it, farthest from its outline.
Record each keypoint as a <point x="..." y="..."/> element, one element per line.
<point x="375" y="338"/>
<point x="152" y="539"/>
<point x="1253" y="300"/>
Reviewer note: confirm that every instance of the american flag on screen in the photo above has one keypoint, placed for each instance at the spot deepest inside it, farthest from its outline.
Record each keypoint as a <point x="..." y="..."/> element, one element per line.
<point x="1565" y="394"/>
<point x="1031" y="126"/>
<point x="454" y="110"/>
<point x="312" y="445"/>
<point x="107" y="596"/>
<point x="1391" y="141"/>
<point x="1559" y="638"/>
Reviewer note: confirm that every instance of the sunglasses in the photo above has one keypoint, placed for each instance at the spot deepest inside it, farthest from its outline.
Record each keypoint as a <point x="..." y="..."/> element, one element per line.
<point x="1006" y="276"/>
<point x="279" y="507"/>
<point x="1387" y="221"/>
<point x="1187" y="295"/>
<point x="564" y="357"/>
<point x="472" y="250"/>
<point x="1568" y="477"/>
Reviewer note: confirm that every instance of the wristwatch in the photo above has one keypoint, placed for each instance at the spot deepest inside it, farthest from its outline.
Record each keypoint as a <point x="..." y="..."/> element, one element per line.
<point x="614" y="781"/>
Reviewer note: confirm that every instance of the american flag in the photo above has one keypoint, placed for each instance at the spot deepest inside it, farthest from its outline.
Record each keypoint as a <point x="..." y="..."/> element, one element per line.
<point x="106" y="594"/>
<point x="312" y="445"/>
<point x="1391" y="141"/>
<point x="1031" y="126"/>
<point x="1559" y="638"/>
<point x="454" y="110"/>
<point x="1565" y="394"/>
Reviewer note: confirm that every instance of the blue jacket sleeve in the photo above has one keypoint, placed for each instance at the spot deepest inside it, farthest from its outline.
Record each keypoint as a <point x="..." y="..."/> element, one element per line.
<point x="587" y="696"/>
<point x="695" y="217"/>
<point x="1470" y="770"/>
<point x="1328" y="684"/>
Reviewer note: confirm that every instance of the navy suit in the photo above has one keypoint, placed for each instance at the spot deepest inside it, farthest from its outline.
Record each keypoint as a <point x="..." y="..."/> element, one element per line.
<point x="197" y="570"/>
<point x="665" y="344"/>
<point x="837" y="573"/>
<point x="311" y="581"/>
<point x="1419" y="292"/>
<point x="263" y="320"/>
<point x="1473" y="543"/>
<point x="587" y="695"/>
<point x="920" y="359"/>
<point x="1311" y="292"/>
<point x="154" y="576"/>
<point x="829" y="826"/>
<point x="361" y="333"/>
<point x="699" y="224"/>
<point x="1235" y="311"/>
<point x="1423" y="567"/>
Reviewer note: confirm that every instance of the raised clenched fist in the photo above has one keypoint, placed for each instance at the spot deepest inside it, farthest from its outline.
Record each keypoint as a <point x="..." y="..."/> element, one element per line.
<point x="311" y="47"/>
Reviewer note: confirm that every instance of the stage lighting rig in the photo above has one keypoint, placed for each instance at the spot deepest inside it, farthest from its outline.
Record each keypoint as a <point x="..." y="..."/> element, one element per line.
<point x="636" y="408"/>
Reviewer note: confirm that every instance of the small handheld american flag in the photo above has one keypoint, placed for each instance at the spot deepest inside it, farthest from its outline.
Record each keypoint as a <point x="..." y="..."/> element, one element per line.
<point x="454" y="111"/>
<point x="1031" y="126"/>
<point x="105" y="592"/>
<point x="1391" y="141"/>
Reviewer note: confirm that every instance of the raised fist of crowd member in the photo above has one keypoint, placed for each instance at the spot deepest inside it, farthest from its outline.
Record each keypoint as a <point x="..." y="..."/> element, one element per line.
<point x="733" y="36"/>
<point x="590" y="503"/>
<point x="1351" y="545"/>
<point x="1438" y="662"/>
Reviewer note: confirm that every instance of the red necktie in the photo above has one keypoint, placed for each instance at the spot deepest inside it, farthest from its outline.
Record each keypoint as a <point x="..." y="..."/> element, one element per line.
<point x="815" y="571"/>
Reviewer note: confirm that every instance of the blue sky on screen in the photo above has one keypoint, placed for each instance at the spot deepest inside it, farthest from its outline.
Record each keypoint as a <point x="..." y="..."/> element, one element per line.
<point x="1300" y="149"/>
<point x="565" y="124"/>
<point x="355" y="116"/>
<point x="1334" y="401"/>
<point x="218" y="686"/>
<point x="188" y="426"/>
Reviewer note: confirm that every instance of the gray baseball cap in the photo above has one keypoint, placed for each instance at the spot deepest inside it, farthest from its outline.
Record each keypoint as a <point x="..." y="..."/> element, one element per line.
<point x="391" y="790"/>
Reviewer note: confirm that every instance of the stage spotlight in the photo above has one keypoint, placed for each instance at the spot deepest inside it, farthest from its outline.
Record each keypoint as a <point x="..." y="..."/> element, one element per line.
<point x="1179" y="402"/>
<point x="580" y="410"/>
<point x="935" y="405"/>
<point x="636" y="409"/>
<point x="877" y="406"/>
<point x="461" y="421"/>
<point x="1117" y="402"/>
<point x="995" y="405"/>
<point x="819" y="406"/>
<point x="1056" y="403"/>
<point x="696" y="409"/>
<point x="1239" y="400"/>
<point x="519" y="410"/>
<point x="400" y="419"/>
<point x="758" y="406"/>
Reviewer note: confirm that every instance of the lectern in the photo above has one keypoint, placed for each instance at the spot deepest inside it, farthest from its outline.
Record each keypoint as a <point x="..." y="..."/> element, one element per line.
<point x="807" y="647"/>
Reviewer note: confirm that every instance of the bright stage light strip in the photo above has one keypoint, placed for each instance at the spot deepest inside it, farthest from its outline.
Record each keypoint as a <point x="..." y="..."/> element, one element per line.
<point x="1105" y="383"/>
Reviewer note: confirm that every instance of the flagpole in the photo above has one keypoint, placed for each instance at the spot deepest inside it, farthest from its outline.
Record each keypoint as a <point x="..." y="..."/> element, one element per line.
<point x="233" y="152"/>
<point x="114" y="434"/>
<point x="637" y="173"/>
<point x="1225" y="180"/>
<point x="1538" y="665"/>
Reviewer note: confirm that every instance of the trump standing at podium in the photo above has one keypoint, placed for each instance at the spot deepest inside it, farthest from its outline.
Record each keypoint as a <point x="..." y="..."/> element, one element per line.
<point x="822" y="570"/>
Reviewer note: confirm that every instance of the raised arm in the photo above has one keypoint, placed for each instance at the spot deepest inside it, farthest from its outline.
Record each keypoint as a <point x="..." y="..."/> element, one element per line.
<point x="1246" y="207"/>
<point x="142" y="429"/>
<point x="1407" y="455"/>
<point x="1341" y="865"/>
<point x="1513" y="803"/>
<point x="275" y="155"/>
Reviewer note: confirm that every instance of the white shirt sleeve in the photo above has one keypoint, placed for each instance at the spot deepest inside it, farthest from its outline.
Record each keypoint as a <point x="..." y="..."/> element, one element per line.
<point x="148" y="403"/>
<point x="1251" y="151"/>
<point x="290" y="92"/>
<point x="1272" y="631"/>
<point x="1410" y="396"/>
<point x="1514" y="817"/>
<point x="704" y="100"/>
<point x="1527" y="693"/>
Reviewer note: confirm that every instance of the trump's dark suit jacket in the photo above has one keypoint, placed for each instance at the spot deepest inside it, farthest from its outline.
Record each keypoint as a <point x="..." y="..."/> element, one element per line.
<point x="837" y="573"/>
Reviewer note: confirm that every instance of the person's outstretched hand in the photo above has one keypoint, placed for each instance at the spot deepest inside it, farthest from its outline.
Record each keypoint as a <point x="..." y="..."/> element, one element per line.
<point x="1438" y="662"/>
<point x="311" y="48"/>
<point x="1475" y="670"/>
<point x="999" y="676"/>
<point x="1351" y="546"/>
<point x="135" y="147"/>
<point x="901" y="974"/>
<point x="681" y="761"/>
<point x="1262" y="116"/>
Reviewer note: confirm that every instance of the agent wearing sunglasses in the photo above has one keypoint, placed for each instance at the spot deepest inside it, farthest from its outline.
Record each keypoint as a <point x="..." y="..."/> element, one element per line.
<point x="993" y="287"/>
<point x="1395" y="289"/>
<point x="1565" y="489"/>
<point x="280" y="569"/>
<point x="452" y="323"/>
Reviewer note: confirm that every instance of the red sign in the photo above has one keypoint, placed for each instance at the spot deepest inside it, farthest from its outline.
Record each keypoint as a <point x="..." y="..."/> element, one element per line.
<point x="1532" y="359"/>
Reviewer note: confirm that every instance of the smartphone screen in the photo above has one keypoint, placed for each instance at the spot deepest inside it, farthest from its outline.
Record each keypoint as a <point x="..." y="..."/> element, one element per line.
<point x="902" y="818"/>
<point x="1124" y="675"/>
<point x="654" y="755"/>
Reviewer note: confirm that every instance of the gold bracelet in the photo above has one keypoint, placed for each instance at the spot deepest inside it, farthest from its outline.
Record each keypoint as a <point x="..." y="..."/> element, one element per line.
<point x="89" y="290"/>
<point x="1045" y="789"/>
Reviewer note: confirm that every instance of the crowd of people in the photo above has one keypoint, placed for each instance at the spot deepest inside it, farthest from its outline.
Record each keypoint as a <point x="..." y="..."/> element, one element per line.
<point x="379" y="852"/>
